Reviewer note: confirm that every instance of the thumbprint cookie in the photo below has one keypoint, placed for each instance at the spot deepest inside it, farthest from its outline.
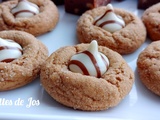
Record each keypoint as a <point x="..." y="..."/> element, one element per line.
<point x="148" y="65"/>
<point x="114" y="28"/>
<point x="87" y="77"/>
<point x="20" y="60"/>
<point x="151" y="20"/>
<point x="33" y="16"/>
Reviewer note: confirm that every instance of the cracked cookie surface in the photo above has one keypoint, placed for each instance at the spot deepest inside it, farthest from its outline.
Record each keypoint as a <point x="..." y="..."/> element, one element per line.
<point x="25" y="69"/>
<point x="86" y="92"/>
<point x="38" y="24"/>
<point x="124" y="41"/>
<point x="148" y="64"/>
<point x="151" y="20"/>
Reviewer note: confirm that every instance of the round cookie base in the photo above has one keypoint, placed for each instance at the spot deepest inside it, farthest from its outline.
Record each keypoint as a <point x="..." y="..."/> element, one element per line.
<point x="86" y="92"/>
<point x="25" y="69"/>
<point x="148" y="65"/>
<point x="124" y="41"/>
<point x="151" y="20"/>
<point x="36" y="25"/>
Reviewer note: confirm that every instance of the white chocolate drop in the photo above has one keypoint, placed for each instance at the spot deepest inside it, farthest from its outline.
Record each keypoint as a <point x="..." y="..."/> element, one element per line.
<point x="89" y="62"/>
<point x="25" y="8"/>
<point x="9" y="50"/>
<point x="109" y="20"/>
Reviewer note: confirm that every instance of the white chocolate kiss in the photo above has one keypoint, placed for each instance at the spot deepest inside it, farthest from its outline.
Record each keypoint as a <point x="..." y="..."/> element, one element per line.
<point x="9" y="50"/>
<point x="89" y="62"/>
<point x="109" y="20"/>
<point x="25" y="8"/>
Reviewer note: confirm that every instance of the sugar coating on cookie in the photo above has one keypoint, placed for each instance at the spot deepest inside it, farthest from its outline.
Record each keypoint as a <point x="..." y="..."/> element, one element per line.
<point x="26" y="68"/>
<point x="109" y="20"/>
<point x="124" y="41"/>
<point x="148" y="64"/>
<point x="25" y="8"/>
<point x="89" y="62"/>
<point x="33" y="16"/>
<point x="86" y="92"/>
<point x="151" y="20"/>
<point x="9" y="50"/>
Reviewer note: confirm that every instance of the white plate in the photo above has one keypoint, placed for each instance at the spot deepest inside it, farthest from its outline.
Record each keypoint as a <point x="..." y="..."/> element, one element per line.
<point x="138" y="105"/>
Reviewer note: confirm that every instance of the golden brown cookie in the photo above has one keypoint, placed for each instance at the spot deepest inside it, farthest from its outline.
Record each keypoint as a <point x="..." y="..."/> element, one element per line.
<point x="148" y="64"/>
<point x="82" y="91"/>
<point x="25" y="69"/>
<point x="124" y="41"/>
<point x="152" y="22"/>
<point x="38" y="24"/>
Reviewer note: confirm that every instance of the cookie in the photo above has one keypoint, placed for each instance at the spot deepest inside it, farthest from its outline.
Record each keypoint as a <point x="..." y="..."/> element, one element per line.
<point x="151" y="20"/>
<point x="65" y="78"/>
<point x="24" y="66"/>
<point x="128" y="36"/>
<point x="148" y="65"/>
<point x="33" y="16"/>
